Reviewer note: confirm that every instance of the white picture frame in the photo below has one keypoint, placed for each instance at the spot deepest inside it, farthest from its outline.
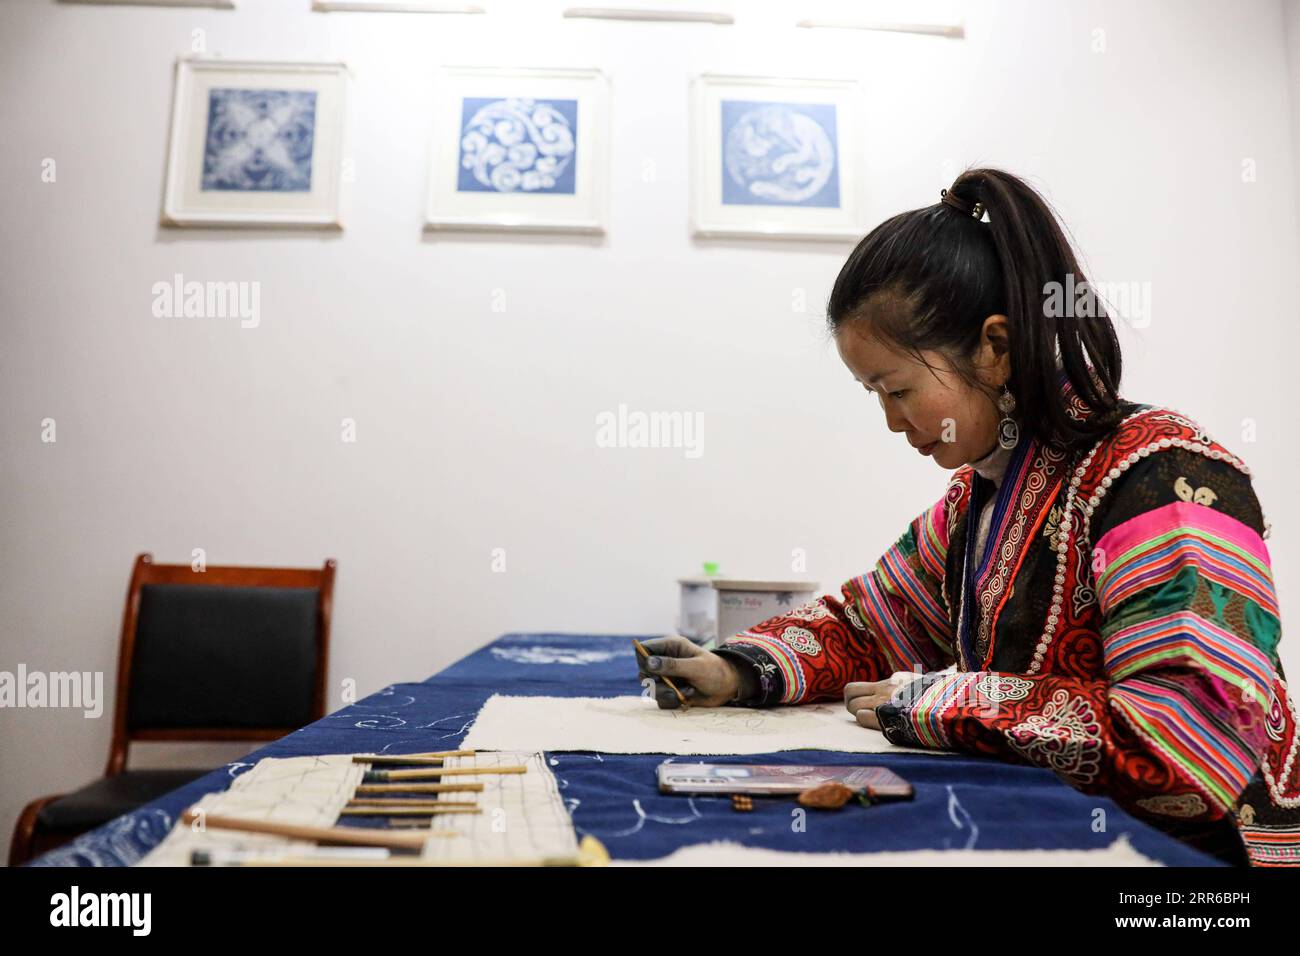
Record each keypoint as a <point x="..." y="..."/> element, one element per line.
<point x="550" y="172"/>
<point x="717" y="12"/>
<point x="256" y="143"/>
<point x="215" y="4"/>
<point x="742" y="127"/>
<point x="394" y="6"/>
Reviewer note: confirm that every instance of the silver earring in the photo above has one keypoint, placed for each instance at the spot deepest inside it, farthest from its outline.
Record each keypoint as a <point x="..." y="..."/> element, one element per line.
<point x="1008" y="430"/>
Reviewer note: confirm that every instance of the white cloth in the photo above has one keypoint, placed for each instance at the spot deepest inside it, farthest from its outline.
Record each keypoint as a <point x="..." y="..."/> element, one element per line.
<point x="636" y="725"/>
<point x="725" y="853"/>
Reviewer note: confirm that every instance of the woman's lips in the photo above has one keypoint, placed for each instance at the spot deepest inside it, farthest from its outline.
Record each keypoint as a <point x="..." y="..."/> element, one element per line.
<point x="926" y="449"/>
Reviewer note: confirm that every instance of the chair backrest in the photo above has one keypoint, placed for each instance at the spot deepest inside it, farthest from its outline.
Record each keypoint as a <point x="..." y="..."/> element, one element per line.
<point x="224" y="653"/>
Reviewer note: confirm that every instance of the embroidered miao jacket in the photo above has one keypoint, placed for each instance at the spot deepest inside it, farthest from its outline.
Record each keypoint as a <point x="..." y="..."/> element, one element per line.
<point x="1120" y="630"/>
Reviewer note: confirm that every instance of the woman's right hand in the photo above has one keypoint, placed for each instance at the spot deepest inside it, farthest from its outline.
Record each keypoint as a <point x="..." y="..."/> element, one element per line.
<point x="704" y="678"/>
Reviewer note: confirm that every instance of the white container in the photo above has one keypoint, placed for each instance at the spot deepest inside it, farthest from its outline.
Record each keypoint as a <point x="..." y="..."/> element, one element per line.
<point x="698" y="618"/>
<point x="742" y="604"/>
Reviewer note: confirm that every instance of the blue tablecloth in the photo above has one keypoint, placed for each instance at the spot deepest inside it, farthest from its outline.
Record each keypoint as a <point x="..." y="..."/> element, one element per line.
<point x="961" y="802"/>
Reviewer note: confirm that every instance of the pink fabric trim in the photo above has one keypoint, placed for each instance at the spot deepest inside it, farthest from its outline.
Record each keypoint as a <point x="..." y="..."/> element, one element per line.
<point x="1181" y="514"/>
<point x="941" y="518"/>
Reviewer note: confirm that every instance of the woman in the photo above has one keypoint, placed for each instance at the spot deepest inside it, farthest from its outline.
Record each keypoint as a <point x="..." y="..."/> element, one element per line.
<point x="1091" y="594"/>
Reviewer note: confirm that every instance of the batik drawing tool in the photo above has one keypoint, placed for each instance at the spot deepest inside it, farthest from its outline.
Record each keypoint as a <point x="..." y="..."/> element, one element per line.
<point x="373" y="788"/>
<point x="417" y="759"/>
<point x="408" y="802"/>
<point x="393" y="776"/>
<point x="404" y="811"/>
<point x="237" y="857"/>
<point x="640" y="649"/>
<point x="355" y="836"/>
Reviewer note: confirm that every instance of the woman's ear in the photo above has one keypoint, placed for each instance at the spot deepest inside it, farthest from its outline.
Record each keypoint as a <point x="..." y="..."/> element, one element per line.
<point x="993" y="357"/>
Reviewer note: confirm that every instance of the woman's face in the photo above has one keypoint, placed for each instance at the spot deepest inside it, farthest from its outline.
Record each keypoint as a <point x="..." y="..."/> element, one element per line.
<point x="938" y="412"/>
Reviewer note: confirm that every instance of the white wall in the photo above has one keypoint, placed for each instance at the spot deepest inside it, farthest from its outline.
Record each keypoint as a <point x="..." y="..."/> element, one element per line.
<point x="476" y="428"/>
<point x="1291" y="16"/>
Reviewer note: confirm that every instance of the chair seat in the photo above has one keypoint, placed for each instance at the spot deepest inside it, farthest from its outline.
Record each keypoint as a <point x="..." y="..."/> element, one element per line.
<point x="108" y="797"/>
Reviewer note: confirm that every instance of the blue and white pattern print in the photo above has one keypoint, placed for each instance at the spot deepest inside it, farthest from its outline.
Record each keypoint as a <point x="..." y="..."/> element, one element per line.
<point x="518" y="145"/>
<point x="555" y="655"/>
<point x="779" y="154"/>
<point x="259" y="140"/>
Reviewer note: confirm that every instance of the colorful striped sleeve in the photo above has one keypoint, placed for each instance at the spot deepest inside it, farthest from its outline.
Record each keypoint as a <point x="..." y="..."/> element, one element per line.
<point x="893" y="618"/>
<point x="1176" y="729"/>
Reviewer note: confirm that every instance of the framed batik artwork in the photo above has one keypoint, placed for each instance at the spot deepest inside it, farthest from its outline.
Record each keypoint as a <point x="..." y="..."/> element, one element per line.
<point x="256" y="143"/>
<point x="519" y="150"/>
<point x="776" y="158"/>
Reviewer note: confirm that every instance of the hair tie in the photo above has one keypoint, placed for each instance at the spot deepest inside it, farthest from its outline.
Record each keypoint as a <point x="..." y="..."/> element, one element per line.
<point x="975" y="212"/>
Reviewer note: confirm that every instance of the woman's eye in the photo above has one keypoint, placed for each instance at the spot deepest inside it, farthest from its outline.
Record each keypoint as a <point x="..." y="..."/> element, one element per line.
<point x="899" y="394"/>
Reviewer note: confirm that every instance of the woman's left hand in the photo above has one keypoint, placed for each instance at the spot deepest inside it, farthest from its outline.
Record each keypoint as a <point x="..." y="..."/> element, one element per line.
<point x="862" y="699"/>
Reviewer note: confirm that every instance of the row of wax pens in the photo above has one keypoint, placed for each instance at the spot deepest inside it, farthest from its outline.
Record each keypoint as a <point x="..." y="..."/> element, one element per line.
<point x="402" y="799"/>
<point x="410" y="798"/>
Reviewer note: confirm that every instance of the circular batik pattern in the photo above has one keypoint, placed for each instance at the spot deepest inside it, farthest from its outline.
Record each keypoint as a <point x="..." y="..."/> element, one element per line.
<point x="1003" y="687"/>
<point x="801" y="639"/>
<point x="779" y="154"/>
<point x="517" y="145"/>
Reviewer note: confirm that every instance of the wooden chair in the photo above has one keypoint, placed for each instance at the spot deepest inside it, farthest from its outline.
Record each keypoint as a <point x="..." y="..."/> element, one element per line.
<point x="223" y="654"/>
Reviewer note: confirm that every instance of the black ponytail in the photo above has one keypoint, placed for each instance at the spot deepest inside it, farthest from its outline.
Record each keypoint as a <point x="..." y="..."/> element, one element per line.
<point x="927" y="279"/>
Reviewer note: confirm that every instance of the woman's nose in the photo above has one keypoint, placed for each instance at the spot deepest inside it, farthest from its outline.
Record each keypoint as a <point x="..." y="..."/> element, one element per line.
<point x="894" y="421"/>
